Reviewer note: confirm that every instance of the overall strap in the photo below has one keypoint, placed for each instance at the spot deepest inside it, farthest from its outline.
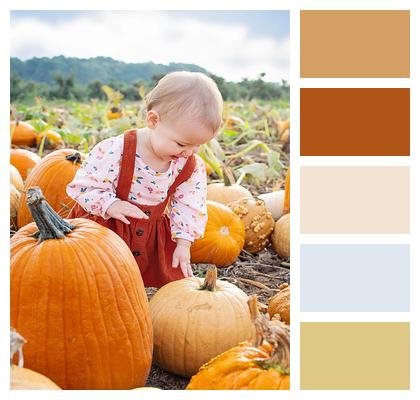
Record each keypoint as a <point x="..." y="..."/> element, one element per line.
<point x="184" y="175"/>
<point x="127" y="164"/>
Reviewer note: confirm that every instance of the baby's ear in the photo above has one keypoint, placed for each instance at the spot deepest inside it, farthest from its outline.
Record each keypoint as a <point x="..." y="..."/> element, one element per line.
<point x="152" y="118"/>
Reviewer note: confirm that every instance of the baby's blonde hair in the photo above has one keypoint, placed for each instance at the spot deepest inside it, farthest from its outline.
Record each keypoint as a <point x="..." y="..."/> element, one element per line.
<point x="192" y="93"/>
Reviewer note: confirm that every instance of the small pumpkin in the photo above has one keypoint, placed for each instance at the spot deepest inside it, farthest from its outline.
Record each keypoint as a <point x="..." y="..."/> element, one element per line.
<point x="274" y="202"/>
<point x="52" y="139"/>
<point x="225" y="194"/>
<point x="263" y="365"/>
<point x="283" y="126"/>
<point x="280" y="239"/>
<point x="14" y="203"/>
<point x="23" y="378"/>
<point x="194" y="319"/>
<point x="24" y="160"/>
<point x="286" y="205"/>
<point x="223" y="238"/>
<point x="227" y="191"/>
<point x="258" y="222"/>
<point x="234" y="122"/>
<point x="280" y="304"/>
<point x="77" y="297"/>
<point x="114" y="113"/>
<point x="52" y="175"/>
<point x="15" y="178"/>
<point x="22" y="133"/>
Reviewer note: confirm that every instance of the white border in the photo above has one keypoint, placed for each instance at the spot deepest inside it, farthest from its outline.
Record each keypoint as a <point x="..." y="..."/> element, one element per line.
<point x="294" y="6"/>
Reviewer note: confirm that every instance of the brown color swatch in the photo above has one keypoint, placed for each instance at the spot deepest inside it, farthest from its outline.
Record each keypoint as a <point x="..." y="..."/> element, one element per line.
<point x="355" y="355"/>
<point x="355" y="122"/>
<point x="353" y="200"/>
<point x="353" y="43"/>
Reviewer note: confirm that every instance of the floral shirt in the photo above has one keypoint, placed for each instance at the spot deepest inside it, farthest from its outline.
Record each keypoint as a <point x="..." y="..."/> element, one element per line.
<point x="95" y="183"/>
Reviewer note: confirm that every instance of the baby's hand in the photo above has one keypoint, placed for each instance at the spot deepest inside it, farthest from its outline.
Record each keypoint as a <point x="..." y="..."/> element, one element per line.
<point x="121" y="209"/>
<point x="182" y="256"/>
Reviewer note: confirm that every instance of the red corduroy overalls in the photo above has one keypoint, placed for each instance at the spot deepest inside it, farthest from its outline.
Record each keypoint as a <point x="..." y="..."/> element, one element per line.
<point x="149" y="240"/>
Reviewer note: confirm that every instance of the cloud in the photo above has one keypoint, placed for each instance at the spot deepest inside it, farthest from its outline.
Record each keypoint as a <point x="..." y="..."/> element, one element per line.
<point x="139" y="36"/>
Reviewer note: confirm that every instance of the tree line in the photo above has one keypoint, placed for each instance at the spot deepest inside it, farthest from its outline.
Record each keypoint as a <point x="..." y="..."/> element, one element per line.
<point x="66" y="87"/>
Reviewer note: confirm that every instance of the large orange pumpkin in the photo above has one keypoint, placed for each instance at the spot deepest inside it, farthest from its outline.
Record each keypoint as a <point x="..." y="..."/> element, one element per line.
<point x="23" y="133"/>
<point x="77" y="297"/>
<point x="52" y="175"/>
<point x="15" y="178"/>
<point x="263" y="365"/>
<point x="24" y="161"/>
<point x="223" y="238"/>
<point x="23" y="378"/>
<point x="194" y="319"/>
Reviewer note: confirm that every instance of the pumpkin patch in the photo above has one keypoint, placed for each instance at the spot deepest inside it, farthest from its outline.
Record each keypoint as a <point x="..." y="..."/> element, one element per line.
<point x="76" y="291"/>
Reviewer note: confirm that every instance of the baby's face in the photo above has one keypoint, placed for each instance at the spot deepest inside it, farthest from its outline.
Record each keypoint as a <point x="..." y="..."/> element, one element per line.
<point x="174" y="138"/>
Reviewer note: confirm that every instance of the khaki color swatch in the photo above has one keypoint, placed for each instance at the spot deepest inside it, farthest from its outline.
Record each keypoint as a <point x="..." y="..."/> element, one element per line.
<point x="355" y="122"/>
<point x="359" y="200"/>
<point x="355" y="355"/>
<point x="355" y="44"/>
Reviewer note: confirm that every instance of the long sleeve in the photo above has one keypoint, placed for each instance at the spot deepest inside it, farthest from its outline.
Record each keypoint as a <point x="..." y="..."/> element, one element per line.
<point x="94" y="186"/>
<point x="187" y="208"/>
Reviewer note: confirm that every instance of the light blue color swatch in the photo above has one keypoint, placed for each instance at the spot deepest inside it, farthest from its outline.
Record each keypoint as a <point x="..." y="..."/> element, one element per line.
<point x="355" y="277"/>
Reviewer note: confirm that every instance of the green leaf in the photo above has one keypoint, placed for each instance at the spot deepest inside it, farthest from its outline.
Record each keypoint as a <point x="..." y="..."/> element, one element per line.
<point x="255" y="171"/>
<point x="273" y="158"/>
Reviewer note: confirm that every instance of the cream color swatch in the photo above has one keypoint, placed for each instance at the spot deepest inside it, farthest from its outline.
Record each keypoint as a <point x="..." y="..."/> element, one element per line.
<point x="355" y="200"/>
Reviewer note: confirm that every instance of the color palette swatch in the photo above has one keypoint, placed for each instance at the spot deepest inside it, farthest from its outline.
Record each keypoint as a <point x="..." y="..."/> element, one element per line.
<point x="355" y="278"/>
<point x="355" y="355"/>
<point x="355" y="199"/>
<point x="355" y="44"/>
<point x="359" y="198"/>
<point x="355" y="122"/>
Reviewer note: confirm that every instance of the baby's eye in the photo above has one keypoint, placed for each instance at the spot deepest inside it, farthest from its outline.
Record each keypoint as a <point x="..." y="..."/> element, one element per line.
<point x="180" y="145"/>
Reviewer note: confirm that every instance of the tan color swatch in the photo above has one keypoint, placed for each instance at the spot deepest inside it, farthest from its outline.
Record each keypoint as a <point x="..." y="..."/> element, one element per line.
<point x="355" y="355"/>
<point x="353" y="43"/>
<point x="355" y="199"/>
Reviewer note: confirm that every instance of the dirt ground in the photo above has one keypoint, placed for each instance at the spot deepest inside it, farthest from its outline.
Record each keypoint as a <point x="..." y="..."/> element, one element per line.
<point x="260" y="274"/>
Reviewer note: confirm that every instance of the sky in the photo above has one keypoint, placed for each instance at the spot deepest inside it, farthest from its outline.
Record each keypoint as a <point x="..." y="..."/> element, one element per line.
<point x="231" y="44"/>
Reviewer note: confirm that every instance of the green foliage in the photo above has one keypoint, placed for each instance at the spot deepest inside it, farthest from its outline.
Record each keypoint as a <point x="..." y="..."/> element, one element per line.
<point x="81" y="79"/>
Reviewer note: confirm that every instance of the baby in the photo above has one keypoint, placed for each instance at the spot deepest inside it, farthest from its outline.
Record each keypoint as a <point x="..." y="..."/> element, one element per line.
<point x="127" y="181"/>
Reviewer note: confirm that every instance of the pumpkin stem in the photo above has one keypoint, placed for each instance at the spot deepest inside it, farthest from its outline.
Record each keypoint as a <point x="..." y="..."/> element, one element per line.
<point x="273" y="332"/>
<point x="210" y="279"/>
<point x="75" y="158"/>
<point x="49" y="223"/>
<point x="228" y="177"/>
<point x="16" y="343"/>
